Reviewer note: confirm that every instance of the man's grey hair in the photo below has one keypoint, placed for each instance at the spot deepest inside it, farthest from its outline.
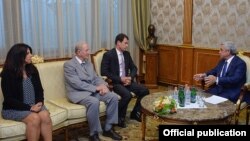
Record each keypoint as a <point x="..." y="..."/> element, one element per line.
<point x="79" y="45"/>
<point x="230" y="46"/>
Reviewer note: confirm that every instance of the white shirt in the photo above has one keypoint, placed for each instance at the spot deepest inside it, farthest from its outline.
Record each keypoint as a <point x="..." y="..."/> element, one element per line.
<point x="120" y="59"/>
<point x="79" y="60"/>
<point x="229" y="61"/>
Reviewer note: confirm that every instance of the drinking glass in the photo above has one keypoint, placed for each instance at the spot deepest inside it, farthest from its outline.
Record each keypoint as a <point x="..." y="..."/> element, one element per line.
<point x="200" y="101"/>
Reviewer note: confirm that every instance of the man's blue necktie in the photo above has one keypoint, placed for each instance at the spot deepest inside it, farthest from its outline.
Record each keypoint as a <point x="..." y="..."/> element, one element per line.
<point x="224" y="69"/>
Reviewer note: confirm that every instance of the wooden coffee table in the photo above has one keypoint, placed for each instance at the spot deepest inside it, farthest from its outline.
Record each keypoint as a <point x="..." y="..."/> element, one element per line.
<point x="213" y="114"/>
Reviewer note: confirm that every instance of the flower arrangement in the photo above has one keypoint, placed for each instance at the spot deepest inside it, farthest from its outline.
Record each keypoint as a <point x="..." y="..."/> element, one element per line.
<point x="37" y="59"/>
<point x="165" y="105"/>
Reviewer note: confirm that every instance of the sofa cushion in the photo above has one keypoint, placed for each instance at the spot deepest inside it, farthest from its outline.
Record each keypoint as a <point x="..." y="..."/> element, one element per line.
<point x="52" y="78"/>
<point x="57" y="114"/>
<point x="74" y="110"/>
<point x="10" y="128"/>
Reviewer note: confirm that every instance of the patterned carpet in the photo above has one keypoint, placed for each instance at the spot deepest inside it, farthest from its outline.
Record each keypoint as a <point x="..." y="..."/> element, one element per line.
<point x="133" y="131"/>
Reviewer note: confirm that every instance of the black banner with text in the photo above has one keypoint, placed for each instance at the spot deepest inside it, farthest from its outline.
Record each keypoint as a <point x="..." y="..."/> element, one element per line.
<point x="200" y="132"/>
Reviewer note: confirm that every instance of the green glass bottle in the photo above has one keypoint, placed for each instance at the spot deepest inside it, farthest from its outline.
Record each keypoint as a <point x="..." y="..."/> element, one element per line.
<point x="193" y="95"/>
<point x="181" y="97"/>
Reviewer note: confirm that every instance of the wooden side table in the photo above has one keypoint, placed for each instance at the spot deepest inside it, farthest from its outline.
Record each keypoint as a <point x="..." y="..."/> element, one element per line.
<point x="151" y="69"/>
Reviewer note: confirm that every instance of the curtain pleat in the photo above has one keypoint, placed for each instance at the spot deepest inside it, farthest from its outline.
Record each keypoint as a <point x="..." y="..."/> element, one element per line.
<point x="141" y="20"/>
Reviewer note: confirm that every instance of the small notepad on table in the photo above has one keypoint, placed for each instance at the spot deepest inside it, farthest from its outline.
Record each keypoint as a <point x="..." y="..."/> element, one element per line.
<point x="215" y="99"/>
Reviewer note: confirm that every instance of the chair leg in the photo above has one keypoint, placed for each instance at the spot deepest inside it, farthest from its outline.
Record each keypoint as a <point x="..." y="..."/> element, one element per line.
<point x="66" y="135"/>
<point x="247" y="114"/>
<point x="236" y="115"/>
<point x="236" y="118"/>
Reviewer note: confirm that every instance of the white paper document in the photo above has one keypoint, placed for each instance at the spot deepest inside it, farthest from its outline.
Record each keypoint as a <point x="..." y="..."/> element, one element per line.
<point x="215" y="99"/>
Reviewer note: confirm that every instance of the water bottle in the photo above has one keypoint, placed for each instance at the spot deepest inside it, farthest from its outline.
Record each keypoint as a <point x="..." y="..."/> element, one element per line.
<point x="181" y="97"/>
<point x="193" y="95"/>
<point x="175" y="94"/>
<point x="187" y="95"/>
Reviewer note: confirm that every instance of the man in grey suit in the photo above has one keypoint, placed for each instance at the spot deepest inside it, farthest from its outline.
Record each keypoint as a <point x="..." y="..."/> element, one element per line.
<point x="86" y="88"/>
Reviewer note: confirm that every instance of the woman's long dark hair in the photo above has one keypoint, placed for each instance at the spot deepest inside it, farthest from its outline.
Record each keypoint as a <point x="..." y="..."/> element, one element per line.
<point x="15" y="60"/>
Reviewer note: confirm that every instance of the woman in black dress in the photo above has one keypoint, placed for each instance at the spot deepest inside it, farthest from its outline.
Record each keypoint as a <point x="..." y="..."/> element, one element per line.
<point x="23" y="94"/>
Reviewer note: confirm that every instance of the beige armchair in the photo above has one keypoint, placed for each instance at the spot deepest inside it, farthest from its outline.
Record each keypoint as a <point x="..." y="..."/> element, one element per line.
<point x="246" y="59"/>
<point x="96" y="59"/>
<point x="240" y="104"/>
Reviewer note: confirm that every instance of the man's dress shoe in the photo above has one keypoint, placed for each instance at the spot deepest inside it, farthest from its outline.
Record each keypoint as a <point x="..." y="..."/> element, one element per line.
<point x="136" y="116"/>
<point x="112" y="134"/>
<point x="94" y="137"/>
<point x="121" y="123"/>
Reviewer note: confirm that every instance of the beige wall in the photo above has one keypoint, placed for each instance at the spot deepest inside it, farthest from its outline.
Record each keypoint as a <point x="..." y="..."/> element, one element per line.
<point x="214" y="21"/>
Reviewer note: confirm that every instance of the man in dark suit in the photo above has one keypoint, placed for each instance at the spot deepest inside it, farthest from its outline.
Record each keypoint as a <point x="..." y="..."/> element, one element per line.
<point x="86" y="88"/>
<point x="247" y="98"/>
<point x="118" y="65"/>
<point x="227" y="78"/>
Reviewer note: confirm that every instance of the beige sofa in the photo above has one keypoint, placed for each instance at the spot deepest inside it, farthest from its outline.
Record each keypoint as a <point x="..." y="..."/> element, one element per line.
<point x="64" y="114"/>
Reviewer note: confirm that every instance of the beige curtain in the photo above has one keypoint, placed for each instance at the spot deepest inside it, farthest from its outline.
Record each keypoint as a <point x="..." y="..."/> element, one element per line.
<point x="9" y="26"/>
<point x="141" y="20"/>
<point x="53" y="27"/>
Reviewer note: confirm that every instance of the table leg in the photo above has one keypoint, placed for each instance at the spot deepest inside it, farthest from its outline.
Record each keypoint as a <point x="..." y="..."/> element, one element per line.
<point x="143" y="126"/>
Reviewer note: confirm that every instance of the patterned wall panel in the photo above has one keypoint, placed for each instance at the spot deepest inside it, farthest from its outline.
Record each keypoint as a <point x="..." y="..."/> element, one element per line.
<point x="215" y="21"/>
<point x="167" y="16"/>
